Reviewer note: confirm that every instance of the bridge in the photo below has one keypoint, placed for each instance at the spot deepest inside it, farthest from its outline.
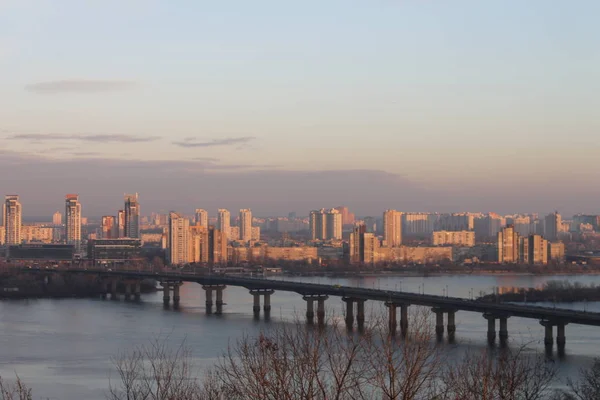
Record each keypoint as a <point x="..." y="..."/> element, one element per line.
<point x="319" y="293"/>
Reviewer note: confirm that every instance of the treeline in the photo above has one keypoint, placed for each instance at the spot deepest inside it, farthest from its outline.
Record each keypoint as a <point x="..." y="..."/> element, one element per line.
<point x="552" y="291"/>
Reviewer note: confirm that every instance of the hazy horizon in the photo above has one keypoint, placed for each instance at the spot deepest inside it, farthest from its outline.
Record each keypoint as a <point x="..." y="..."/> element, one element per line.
<point x="278" y="107"/>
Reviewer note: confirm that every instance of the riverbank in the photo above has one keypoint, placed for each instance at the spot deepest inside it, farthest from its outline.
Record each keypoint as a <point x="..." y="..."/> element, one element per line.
<point x="26" y="286"/>
<point x="425" y="272"/>
<point x="553" y="291"/>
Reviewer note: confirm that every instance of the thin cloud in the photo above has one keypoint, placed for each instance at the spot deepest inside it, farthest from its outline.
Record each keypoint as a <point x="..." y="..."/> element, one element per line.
<point x="232" y="141"/>
<point x="79" y="86"/>
<point x="41" y="137"/>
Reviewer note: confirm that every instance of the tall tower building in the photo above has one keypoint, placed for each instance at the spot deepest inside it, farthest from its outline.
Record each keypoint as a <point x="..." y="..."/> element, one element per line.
<point x="109" y="227"/>
<point x="333" y="225"/>
<point x="201" y="217"/>
<point x="198" y="244"/>
<point x="73" y="220"/>
<point x="533" y="250"/>
<point x="132" y="216"/>
<point x="12" y="218"/>
<point x="224" y="221"/>
<point x="392" y="228"/>
<point x="245" y="225"/>
<point x="318" y="224"/>
<point x="121" y="223"/>
<point x="217" y="246"/>
<point x="57" y="218"/>
<point x="179" y="239"/>
<point x="508" y="245"/>
<point x="347" y="217"/>
<point x="552" y="226"/>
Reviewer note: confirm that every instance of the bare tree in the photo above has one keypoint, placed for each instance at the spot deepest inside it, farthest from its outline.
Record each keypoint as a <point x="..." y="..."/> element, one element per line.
<point x="155" y="372"/>
<point x="587" y="387"/>
<point x="511" y="375"/>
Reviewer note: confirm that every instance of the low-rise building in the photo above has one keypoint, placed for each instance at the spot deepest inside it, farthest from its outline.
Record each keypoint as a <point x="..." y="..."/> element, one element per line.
<point x="37" y="234"/>
<point x="107" y="251"/>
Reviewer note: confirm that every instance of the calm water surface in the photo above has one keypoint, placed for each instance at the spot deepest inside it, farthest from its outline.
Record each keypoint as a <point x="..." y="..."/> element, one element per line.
<point x="62" y="348"/>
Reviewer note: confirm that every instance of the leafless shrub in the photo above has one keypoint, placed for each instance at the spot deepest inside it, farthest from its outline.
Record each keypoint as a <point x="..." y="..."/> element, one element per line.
<point x="587" y="387"/>
<point x="154" y="372"/>
<point x="16" y="391"/>
<point x="509" y="375"/>
<point x="407" y="368"/>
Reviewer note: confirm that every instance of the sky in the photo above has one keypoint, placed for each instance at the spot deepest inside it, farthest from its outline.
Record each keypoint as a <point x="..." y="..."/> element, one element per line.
<point x="278" y="106"/>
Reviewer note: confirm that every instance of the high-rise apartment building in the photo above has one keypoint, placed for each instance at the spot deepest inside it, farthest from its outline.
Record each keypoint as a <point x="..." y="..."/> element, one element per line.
<point x="224" y="222"/>
<point x="552" y="226"/>
<point x="326" y="224"/>
<point x="201" y="217"/>
<point x="73" y="220"/>
<point x="12" y="217"/>
<point x="179" y="239"/>
<point x="132" y="216"/>
<point x="363" y="246"/>
<point x="453" y="238"/>
<point x="121" y="223"/>
<point x="392" y="228"/>
<point x="508" y="245"/>
<point x="333" y="225"/>
<point x="317" y="224"/>
<point x="455" y="222"/>
<point x="487" y="227"/>
<point x="348" y="217"/>
<point x="533" y="250"/>
<point x="217" y="250"/>
<point x="418" y="224"/>
<point x="57" y="218"/>
<point x="199" y="246"/>
<point x="245" y="225"/>
<point x="109" y="227"/>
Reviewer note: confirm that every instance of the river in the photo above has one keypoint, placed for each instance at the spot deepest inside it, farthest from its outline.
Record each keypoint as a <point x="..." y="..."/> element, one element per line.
<point x="63" y="348"/>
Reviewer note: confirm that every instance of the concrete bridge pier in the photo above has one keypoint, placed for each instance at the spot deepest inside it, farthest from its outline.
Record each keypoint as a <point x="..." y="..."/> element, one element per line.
<point x="256" y="305"/>
<point x="220" y="303"/>
<point x="451" y="325"/>
<point x="266" y="293"/>
<point x="503" y="331"/>
<point x="391" y="318"/>
<point x="439" y="323"/>
<point x="404" y="320"/>
<point x="209" y="299"/>
<point x="166" y="294"/>
<point x="105" y="285"/>
<point x="321" y="309"/>
<point x="561" y="340"/>
<point x="349" y="312"/>
<point x="176" y="297"/>
<point x="491" y="332"/>
<point x="127" y="291"/>
<point x="137" y="292"/>
<point x="548" y="338"/>
<point x="310" y="309"/>
<point x="267" y="301"/>
<point x="360" y="313"/>
<point x="113" y="290"/>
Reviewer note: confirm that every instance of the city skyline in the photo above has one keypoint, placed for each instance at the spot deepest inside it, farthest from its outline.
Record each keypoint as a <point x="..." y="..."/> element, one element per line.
<point x="416" y="111"/>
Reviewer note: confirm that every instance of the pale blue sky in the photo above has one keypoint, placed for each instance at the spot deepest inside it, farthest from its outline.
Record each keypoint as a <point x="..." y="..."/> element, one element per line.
<point x="465" y="96"/>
